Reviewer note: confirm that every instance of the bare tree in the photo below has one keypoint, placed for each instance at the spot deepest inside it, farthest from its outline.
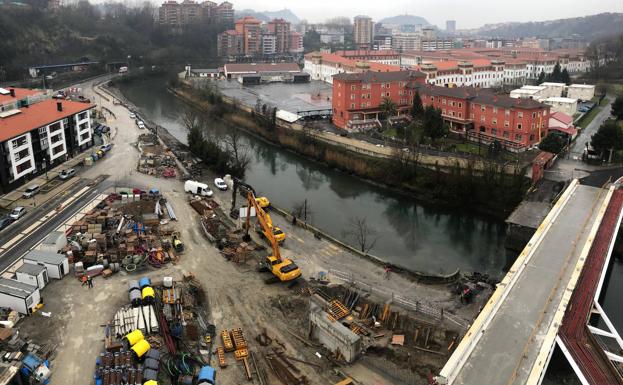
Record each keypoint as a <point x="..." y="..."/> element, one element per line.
<point x="405" y="161"/>
<point x="239" y="152"/>
<point x="362" y="234"/>
<point x="193" y="120"/>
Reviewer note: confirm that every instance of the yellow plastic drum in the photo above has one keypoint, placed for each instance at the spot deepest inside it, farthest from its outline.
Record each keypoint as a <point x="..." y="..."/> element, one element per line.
<point x="140" y="348"/>
<point x="151" y="382"/>
<point x="148" y="295"/>
<point x="134" y="337"/>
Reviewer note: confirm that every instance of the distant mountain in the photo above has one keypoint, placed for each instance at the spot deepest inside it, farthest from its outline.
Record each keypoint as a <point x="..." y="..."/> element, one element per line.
<point x="405" y="20"/>
<point x="588" y="27"/>
<point x="285" y="14"/>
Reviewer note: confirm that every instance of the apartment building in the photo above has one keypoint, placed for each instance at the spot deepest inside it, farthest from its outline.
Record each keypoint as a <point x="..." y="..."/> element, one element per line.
<point x="357" y="96"/>
<point x="229" y="43"/>
<point x="269" y="44"/>
<point x="14" y="98"/>
<point x="38" y="136"/>
<point x="281" y="29"/>
<point x="296" y="42"/>
<point x="189" y="11"/>
<point x="388" y="57"/>
<point x="251" y="33"/>
<point x="363" y="31"/>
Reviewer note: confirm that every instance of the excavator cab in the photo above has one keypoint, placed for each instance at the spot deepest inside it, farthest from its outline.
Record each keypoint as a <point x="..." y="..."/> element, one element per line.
<point x="284" y="269"/>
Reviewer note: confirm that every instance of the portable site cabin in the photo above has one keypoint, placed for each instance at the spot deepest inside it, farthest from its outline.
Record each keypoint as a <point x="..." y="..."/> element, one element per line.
<point x="54" y="242"/>
<point x="32" y="274"/>
<point x="57" y="265"/>
<point x="18" y="296"/>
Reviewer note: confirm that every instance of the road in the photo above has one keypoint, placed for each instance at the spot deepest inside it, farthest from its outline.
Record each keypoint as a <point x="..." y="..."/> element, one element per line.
<point x="571" y="166"/>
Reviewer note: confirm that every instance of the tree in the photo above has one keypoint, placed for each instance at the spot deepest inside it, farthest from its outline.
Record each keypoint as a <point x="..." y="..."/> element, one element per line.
<point x="418" y="109"/>
<point x="362" y="234"/>
<point x="239" y="153"/>
<point x="617" y="107"/>
<point x="564" y="77"/>
<point x="434" y="126"/>
<point x="608" y="137"/>
<point x="553" y="143"/>
<point x="541" y="77"/>
<point x="556" y="74"/>
<point x="388" y="107"/>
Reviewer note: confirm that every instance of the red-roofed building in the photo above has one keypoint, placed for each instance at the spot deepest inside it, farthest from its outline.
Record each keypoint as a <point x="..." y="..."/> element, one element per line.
<point x="322" y="66"/>
<point x="483" y="116"/>
<point x="36" y="137"/>
<point x="357" y="96"/>
<point x="12" y="98"/>
<point x="482" y="73"/>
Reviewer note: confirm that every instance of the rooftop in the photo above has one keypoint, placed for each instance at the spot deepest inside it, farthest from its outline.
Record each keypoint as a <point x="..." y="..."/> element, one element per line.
<point x="479" y="95"/>
<point x="16" y="288"/>
<point x="261" y="67"/>
<point x="45" y="257"/>
<point x="559" y="99"/>
<point x="30" y="269"/>
<point x="587" y="86"/>
<point x="38" y="115"/>
<point x="562" y="117"/>
<point x="378" y="77"/>
<point x="20" y="93"/>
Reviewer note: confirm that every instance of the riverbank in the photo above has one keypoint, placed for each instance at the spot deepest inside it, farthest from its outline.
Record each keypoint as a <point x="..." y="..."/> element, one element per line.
<point x="490" y="192"/>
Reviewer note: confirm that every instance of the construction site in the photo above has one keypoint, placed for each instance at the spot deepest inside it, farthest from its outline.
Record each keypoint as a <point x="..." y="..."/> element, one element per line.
<point x="151" y="284"/>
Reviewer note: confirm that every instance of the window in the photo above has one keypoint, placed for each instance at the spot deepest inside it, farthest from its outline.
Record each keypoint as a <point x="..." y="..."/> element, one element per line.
<point x="382" y="85"/>
<point x="363" y="105"/>
<point x="494" y="131"/>
<point x="531" y="137"/>
<point x="505" y="134"/>
<point x="460" y="114"/>
<point x="518" y="137"/>
<point x="443" y="111"/>
<point x="520" y="115"/>
<point x="55" y="127"/>
<point x="460" y="104"/>
<point x="483" y="108"/>
<point x="482" y="118"/>
<point x="58" y="149"/>
<point x="519" y="126"/>
<point x="82" y="115"/>
<point x="452" y="103"/>
<point x="483" y="129"/>
<point x="43" y="131"/>
<point x="352" y="106"/>
<point x="19" y="141"/>
<point x="387" y="85"/>
<point x="84" y="136"/>
<point x="22" y="154"/>
<point x="507" y="112"/>
<point x="533" y="115"/>
<point x="495" y="110"/>
<point x="23" y="167"/>
<point x="352" y="88"/>
<point x="443" y="101"/>
<point x="44" y="143"/>
<point x="506" y="124"/>
<point x="352" y="96"/>
<point x="494" y="121"/>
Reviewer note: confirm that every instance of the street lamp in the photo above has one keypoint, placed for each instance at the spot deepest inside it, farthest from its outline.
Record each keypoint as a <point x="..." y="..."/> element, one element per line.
<point x="45" y="167"/>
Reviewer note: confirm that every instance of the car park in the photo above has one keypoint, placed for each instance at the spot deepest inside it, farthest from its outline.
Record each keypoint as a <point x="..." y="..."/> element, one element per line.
<point x="17" y="213"/>
<point x="66" y="174"/>
<point x="220" y="184"/>
<point x="31" y="191"/>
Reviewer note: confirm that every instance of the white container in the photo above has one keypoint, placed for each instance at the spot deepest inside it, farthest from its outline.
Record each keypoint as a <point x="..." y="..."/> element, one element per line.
<point x="167" y="282"/>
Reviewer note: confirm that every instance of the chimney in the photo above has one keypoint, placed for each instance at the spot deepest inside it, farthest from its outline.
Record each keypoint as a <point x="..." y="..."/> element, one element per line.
<point x="59" y="106"/>
<point x="12" y="91"/>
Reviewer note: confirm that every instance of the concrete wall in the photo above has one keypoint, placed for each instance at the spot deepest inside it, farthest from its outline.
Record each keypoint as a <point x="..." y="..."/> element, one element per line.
<point x="332" y="334"/>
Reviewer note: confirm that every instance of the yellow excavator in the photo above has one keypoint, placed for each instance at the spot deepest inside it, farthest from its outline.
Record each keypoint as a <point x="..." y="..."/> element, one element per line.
<point x="284" y="269"/>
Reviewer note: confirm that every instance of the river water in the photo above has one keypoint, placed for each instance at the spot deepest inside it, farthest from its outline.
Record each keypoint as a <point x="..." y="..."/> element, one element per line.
<point x="413" y="235"/>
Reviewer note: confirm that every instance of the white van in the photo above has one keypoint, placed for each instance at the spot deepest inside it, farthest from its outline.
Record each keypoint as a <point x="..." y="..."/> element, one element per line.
<point x="197" y="188"/>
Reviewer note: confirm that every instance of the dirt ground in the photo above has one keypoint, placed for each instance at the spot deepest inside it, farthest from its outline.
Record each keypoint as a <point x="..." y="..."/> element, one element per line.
<point x="237" y="294"/>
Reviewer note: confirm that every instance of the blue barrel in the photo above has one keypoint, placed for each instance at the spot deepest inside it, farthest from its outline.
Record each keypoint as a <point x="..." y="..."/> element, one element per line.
<point x="207" y="375"/>
<point x="144" y="282"/>
<point x="133" y="285"/>
<point x="150" y="363"/>
<point x="150" y="375"/>
<point x="153" y="353"/>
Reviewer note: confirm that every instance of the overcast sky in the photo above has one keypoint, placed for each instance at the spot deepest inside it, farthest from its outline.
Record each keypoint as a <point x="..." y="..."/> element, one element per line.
<point x="467" y="13"/>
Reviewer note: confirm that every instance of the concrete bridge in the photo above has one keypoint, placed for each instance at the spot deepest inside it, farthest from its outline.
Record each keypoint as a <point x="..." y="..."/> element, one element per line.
<point x="547" y="299"/>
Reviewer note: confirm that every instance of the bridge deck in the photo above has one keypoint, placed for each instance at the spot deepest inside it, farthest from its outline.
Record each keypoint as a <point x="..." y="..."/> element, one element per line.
<point x="508" y="346"/>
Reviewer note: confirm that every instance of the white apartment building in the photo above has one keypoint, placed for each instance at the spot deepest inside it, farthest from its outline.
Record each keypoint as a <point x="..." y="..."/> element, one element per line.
<point x="582" y="92"/>
<point x="559" y="104"/>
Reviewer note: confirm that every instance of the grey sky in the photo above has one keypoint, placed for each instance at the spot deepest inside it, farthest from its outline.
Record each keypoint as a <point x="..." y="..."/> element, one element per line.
<point x="468" y="14"/>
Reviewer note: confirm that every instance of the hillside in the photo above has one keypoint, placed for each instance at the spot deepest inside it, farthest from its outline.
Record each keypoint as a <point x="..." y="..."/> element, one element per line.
<point x="285" y="14"/>
<point x="405" y="20"/>
<point x="589" y="27"/>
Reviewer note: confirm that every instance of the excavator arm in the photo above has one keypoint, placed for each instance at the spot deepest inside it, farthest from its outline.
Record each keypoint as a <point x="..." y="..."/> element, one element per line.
<point x="261" y="216"/>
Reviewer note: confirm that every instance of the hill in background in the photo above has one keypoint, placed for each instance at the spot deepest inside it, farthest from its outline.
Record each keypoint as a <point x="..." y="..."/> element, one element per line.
<point x="285" y="14"/>
<point x="405" y="20"/>
<point x="588" y="27"/>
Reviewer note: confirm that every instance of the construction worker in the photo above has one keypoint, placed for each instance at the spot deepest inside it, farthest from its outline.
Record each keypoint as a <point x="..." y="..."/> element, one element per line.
<point x="90" y="281"/>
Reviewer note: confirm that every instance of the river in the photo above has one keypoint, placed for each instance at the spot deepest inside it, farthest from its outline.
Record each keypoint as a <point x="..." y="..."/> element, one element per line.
<point x="413" y="235"/>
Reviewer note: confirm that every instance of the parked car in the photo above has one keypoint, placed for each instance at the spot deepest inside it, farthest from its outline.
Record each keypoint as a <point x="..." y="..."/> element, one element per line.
<point x="5" y="221"/>
<point x="17" y="213"/>
<point x="106" y="147"/>
<point x="220" y="184"/>
<point x="197" y="188"/>
<point x="132" y="115"/>
<point x="66" y="174"/>
<point x="31" y="191"/>
<point x="140" y="124"/>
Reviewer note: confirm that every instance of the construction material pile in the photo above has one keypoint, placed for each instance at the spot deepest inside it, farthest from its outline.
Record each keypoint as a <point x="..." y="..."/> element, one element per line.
<point x="155" y="159"/>
<point x="125" y="231"/>
<point x="160" y="335"/>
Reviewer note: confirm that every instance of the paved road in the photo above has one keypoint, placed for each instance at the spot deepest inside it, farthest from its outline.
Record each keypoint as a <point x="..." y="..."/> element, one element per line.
<point x="572" y="167"/>
<point x="511" y="342"/>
